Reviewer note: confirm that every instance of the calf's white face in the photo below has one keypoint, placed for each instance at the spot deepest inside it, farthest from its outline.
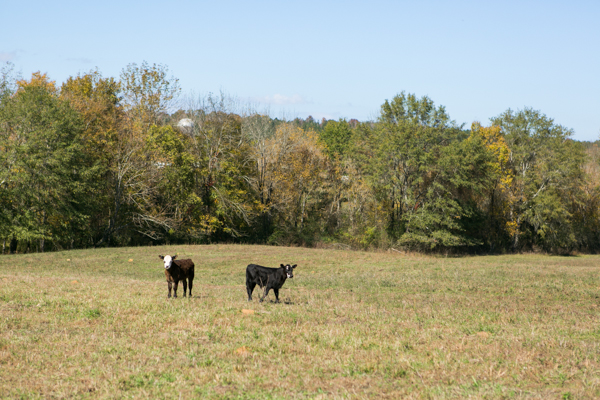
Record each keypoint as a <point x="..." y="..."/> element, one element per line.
<point x="168" y="260"/>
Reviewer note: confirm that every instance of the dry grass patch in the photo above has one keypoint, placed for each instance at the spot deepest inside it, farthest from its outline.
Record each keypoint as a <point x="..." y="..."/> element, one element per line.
<point x="92" y="324"/>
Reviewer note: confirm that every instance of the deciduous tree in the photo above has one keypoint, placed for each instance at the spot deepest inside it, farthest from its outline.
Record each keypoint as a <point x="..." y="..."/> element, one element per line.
<point x="46" y="174"/>
<point x="543" y="161"/>
<point x="147" y="91"/>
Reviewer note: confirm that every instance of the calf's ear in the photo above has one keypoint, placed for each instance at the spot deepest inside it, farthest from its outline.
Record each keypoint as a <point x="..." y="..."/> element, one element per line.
<point x="161" y="257"/>
<point x="294" y="266"/>
<point x="174" y="257"/>
<point x="282" y="266"/>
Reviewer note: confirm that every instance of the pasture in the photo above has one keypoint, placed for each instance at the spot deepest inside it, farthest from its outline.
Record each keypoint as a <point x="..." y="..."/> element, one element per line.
<point x="351" y="325"/>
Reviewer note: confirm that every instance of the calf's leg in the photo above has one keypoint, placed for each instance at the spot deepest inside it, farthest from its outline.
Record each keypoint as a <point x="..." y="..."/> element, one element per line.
<point x="170" y="284"/>
<point x="191" y="279"/>
<point x="250" y="288"/>
<point x="267" y="288"/>
<point x="175" y="288"/>
<point x="184" y="286"/>
<point x="276" y="295"/>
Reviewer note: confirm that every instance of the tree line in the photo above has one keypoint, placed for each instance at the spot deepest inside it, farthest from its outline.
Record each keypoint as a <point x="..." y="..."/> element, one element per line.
<point x="100" y="161"/>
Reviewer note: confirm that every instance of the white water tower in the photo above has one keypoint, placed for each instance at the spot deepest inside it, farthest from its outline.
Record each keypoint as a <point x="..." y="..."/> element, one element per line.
<point x="186" y="126"/>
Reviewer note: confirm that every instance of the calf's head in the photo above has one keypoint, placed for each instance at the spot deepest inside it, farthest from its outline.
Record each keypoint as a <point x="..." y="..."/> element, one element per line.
<point x="289" y="270"/>
<point x="168" y="260"/>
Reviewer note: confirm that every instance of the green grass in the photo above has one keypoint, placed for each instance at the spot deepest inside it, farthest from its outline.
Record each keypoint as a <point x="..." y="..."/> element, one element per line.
<point x="92" y="324"/>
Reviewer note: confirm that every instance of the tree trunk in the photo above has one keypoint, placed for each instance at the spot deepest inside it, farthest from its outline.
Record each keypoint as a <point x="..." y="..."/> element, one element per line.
<point x="13" y="245"/>
<point x="42" y="240"/>
<point x="515" y="245"/>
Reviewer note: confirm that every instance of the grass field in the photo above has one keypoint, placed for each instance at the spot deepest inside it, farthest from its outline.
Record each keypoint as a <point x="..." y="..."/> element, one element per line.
<point x="98" y="324"/>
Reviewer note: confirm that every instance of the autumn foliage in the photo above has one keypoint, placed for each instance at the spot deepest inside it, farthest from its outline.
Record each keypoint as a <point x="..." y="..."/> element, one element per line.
<point x="103" y="162"/>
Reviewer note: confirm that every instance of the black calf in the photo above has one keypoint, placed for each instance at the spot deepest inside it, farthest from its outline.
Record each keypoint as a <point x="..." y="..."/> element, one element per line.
<point x="269" y="278"/>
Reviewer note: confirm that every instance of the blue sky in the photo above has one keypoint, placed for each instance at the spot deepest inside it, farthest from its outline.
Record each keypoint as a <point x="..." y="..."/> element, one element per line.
<point x="332" y="59"/>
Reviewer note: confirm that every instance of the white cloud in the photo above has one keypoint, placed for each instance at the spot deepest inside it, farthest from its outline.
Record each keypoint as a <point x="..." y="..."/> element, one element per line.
<point x="281" y="100"/>
<point x="7" y="56"/>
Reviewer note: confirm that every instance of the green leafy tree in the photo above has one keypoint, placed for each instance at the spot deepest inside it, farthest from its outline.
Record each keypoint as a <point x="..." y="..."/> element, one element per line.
<point x="423" y="169"/>
<point x="496" y="200"/>
<point x="336" y="136"/>
<point x="223" y="206"/>
<point x="544" y="163"/>
<point x="144" y="95"/>
<point x="166" y="210"/>
<point x="46" y="173"/>
<point x="8" y="86"/>
<point x="96" y="99"/>
<point x="408" y="109"/>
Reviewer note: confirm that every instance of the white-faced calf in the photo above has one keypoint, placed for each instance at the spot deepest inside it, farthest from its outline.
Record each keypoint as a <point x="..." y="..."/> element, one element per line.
<point x="269" y="278"/>
<point x="178" y="270"/>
